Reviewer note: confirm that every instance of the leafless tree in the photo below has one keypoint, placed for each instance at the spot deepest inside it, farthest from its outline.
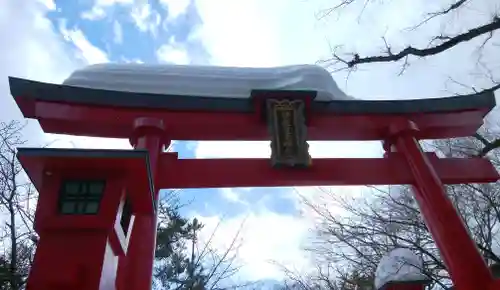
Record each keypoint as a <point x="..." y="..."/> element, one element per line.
<point x="478" y="204"/>
<point x="185" y="262"/>
<point x="482" y="35"/>
<point x="17" y="197"/>
<point x="440" y="43"/>
<point x="352" y="234"/>
<point x="354" y="242"/>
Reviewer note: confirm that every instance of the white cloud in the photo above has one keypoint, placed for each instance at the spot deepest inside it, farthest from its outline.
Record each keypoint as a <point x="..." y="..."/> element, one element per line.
<point x="118" y="32"/>
<point x="146" y="18"/>
<point x="33" y="50"/>
<point x="96" y="13"/>
<point x="261" y="149"/>
<point x="36" y="51"/>
<point x="85" y="50"/>
<point x="269" y="236"/>
<point x="113" y="2"/>
<point x="25" y="51"/>
<point x="49" y="4"/>
<point x="232" y="195"/>
<point x="281" y="32"/>
<point x="172" y="53"/>
<point x="134" y="60"/>
<point x="175" y="7"/>
<point x="266" y="237"/>
<point x="98" y="10"/>
<point x="239" y="33"/>
<point x="67" y="141"/>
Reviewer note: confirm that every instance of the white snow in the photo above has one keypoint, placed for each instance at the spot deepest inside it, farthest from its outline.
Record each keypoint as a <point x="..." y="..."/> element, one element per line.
<point x="206" y="81"/>
<point x="399" y="265"/>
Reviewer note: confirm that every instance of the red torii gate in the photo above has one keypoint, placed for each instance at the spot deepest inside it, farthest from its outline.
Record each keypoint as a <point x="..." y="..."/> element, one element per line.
<point x="289" y="118"/>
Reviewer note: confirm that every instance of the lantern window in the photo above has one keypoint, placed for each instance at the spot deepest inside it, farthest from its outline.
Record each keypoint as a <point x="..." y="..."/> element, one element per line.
<point x="81" y="197"/>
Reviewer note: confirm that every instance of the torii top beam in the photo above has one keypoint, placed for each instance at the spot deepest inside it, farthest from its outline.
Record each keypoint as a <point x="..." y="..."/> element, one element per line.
<point x="206" y="103"/>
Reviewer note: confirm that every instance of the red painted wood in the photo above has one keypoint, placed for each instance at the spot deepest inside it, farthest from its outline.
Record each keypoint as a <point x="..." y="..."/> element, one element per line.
<point x="465" y="264"/>
<point x="117" y="123"/>
<point x="133" y="171"/>
<point x="426" y="172"/>
<point x="71" y="249"/>
<point x="341" y="171"/>
<point x="135" y="270"/>
<point x="495" y="285"/>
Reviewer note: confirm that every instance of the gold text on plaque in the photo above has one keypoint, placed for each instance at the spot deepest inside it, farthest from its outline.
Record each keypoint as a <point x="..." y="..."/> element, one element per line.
<point x="288" y="132"/>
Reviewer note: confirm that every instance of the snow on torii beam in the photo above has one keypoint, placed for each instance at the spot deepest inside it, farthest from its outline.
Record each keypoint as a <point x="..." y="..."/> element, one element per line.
<point x="71" y="110"/>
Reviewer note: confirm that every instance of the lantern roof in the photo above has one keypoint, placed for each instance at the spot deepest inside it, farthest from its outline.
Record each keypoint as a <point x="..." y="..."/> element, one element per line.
<point x="131" y="166"/>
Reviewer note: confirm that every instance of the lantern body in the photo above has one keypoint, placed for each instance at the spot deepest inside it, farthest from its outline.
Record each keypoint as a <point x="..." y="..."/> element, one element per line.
<point x="84" y="216"/>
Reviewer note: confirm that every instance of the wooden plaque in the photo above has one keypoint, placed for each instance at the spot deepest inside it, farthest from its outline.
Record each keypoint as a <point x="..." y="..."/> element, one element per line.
<point x="286" y="122"/>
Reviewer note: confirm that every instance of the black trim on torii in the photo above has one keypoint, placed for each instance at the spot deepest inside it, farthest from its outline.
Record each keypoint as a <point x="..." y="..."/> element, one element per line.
<point x="87" y="96"/>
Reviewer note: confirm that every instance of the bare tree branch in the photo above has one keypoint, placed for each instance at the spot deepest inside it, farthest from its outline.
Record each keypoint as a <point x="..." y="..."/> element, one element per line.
<point x="449" y="43"/>
<point x="432" y="15"/>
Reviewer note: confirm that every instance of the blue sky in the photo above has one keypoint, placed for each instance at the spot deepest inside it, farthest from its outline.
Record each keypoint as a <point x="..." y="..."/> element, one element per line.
<point x="144" y="32"/>
<point x="147" y="26"/>
<point x="46" y="40"/>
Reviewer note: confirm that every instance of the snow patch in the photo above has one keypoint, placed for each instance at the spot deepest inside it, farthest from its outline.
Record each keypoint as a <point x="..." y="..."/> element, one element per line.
<point x="206" y="81"/>
<point x="399" y="265"/>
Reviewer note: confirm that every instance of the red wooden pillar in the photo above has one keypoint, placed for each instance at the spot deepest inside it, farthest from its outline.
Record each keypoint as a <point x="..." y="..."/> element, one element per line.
<point x="467" y="268"/>
<point x="136" y="269"/>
